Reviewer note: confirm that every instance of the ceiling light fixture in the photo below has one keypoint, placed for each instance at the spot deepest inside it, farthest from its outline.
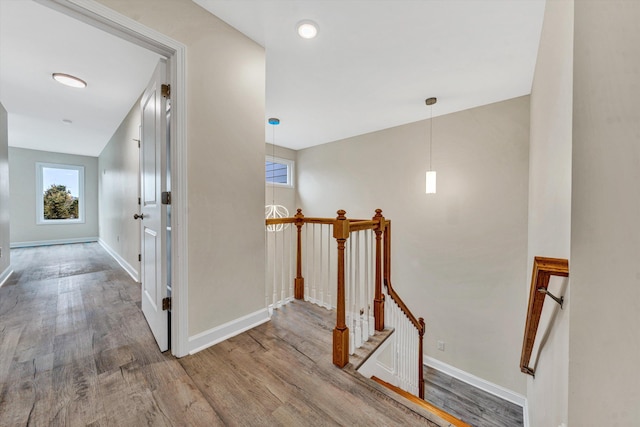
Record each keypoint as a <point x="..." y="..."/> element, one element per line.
<point x="69" y="80"/>
<point x="431" y="174"/>
<point x="66" y="121"/>
<point x="307" y="29"/>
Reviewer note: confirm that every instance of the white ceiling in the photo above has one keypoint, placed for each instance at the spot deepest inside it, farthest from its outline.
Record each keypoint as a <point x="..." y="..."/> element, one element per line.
<point x="374" y="62"/>
<point x="371" y="67"/>
<point x="35" y="42"/>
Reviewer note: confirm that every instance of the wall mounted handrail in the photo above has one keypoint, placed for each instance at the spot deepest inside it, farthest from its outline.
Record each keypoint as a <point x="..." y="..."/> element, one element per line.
<point x="543" y="269"/>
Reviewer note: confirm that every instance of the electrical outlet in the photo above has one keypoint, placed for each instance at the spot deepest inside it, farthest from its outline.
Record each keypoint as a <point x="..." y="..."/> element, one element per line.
<point x="441" y="345"/>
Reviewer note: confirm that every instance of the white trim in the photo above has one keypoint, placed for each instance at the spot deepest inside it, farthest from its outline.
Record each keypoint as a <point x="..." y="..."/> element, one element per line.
<point x="525" y="413"/>
<point x="5" y="275"/>
<point x="225" y="331"/>
<point x="477" y="382"/>
<point x="373" y="367"/>
<point x="319" y="303"/>
<point x="53" y="242"/>
<point x="106" y="19"/>
<point x="123" y="263"/>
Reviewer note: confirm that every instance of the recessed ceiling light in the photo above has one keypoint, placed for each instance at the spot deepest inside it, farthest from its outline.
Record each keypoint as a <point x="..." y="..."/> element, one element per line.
<point x="307" y="29"/>
<point x="69" y="80"/>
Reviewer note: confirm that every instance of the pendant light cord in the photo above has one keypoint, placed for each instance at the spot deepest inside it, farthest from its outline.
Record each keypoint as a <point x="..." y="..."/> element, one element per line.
<point x="273" y="159"/>
<point x="430" y="135"/>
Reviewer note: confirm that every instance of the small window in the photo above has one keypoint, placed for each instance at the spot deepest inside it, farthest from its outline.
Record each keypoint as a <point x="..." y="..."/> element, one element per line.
<point x="279" y="171"/>
<point x="59" y="193"/>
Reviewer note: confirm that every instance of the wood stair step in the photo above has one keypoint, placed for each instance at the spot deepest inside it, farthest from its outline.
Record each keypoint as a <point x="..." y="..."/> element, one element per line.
<point x="424" y="404"/>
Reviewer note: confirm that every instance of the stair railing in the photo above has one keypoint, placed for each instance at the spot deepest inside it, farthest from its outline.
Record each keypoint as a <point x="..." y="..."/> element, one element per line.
<point x="360" y="262"/>
<point x="412" y="329"/>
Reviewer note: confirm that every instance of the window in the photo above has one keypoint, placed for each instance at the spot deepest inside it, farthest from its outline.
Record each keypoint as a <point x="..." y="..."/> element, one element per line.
<point x="59" y="193"/>
<point x="279" y="171"/>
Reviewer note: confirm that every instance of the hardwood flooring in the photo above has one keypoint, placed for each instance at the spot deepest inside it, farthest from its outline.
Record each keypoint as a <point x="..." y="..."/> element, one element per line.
<point x="469" y="404"/>
<point x="76" y="350"/>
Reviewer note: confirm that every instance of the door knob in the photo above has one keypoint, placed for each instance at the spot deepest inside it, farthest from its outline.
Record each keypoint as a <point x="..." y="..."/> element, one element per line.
<point x="136" y="216"/>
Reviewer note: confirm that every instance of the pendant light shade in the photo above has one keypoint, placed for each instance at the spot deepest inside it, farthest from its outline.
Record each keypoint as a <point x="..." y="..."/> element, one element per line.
<point x="430" y="181"/>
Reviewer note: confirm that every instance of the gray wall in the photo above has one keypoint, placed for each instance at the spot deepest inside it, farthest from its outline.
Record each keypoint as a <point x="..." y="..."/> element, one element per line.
<point x="119" y="189"/>
<point x="604" y="345"/>
<point x="458" y="255"/>
<point x="22" y="175"/>
<point x="5" y="259"/>
<point x="550" y="209"/>
<point x="225" y="138"/>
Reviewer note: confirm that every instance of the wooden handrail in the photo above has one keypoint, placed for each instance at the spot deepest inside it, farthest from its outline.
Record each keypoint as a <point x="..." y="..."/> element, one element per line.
<point x="543" y="269"/>
<point x="394" y="296"/>
<point x="387" y="279"/>
<point x="362" y="225"/>
<point x="275" y="221"/>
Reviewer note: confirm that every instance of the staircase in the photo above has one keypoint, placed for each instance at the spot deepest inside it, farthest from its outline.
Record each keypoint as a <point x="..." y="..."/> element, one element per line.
<point x="341" y="264"/>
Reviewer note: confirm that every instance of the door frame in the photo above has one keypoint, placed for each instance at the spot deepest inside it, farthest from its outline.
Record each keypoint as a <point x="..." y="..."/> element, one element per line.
<point x="102" y="17"/>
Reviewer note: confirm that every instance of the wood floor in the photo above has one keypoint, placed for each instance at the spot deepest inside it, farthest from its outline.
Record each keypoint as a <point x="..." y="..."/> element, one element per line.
<point x="469" y="404"/>
<point x="75" y="350"/>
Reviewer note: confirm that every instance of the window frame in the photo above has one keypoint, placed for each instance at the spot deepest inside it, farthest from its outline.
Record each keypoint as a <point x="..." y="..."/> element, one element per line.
<point x="40" y="219"/>
<point x="290" y="171"/>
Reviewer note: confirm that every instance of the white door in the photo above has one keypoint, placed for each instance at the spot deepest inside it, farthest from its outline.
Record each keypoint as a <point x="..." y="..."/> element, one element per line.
<point x="152" y="213"/>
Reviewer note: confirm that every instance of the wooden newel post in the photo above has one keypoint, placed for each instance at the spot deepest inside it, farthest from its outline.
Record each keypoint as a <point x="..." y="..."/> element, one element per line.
<point x="420" y="361"/>
<point x="341" y="332"/>
<point x="298" y="282"/>
<point x="378" y="299"/>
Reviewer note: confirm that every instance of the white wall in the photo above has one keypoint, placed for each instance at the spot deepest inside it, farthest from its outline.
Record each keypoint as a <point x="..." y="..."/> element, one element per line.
<point x="226" y="153"/>
<point x="22" y="176"/>
<point x="604" y="345"/>
<point x="282" y="196"/>
<point x="119" y="184"/>
<point x="550" y="209"/>
<point x="458" y="255"/>
<point x="5" y="258"/>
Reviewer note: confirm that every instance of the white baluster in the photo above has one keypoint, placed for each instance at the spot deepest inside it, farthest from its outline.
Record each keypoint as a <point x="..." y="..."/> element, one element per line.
<point x="321" y="269"/>
<point x="356" y="291"/>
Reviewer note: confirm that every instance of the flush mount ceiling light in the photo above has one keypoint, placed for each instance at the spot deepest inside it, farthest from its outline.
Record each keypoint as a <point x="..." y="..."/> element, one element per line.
<point x="307" y="29"/>
<point x="69" y="80"/>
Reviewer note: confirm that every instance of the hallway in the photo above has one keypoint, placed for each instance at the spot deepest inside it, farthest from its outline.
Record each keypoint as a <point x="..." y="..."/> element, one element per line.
<point x="76" y="350"/>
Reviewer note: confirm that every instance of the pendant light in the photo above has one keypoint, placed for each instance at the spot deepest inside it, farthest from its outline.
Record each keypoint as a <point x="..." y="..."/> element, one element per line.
<point x="273" y="210"/>
<point x="431" y="174"/>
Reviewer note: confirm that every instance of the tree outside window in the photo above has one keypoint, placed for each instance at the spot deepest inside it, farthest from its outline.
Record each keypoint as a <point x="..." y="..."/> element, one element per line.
<point x="60" y="193"/>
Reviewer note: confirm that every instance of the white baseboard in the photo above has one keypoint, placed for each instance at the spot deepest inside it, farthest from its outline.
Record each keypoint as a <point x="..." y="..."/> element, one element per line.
<point x="5" y="275"/>
<point x="123" y="263"/>
<point x="53" y="242"/>
<point x="230" y="329"/>
<point x="477" y="382"/>
<point x="315" y="301"/>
